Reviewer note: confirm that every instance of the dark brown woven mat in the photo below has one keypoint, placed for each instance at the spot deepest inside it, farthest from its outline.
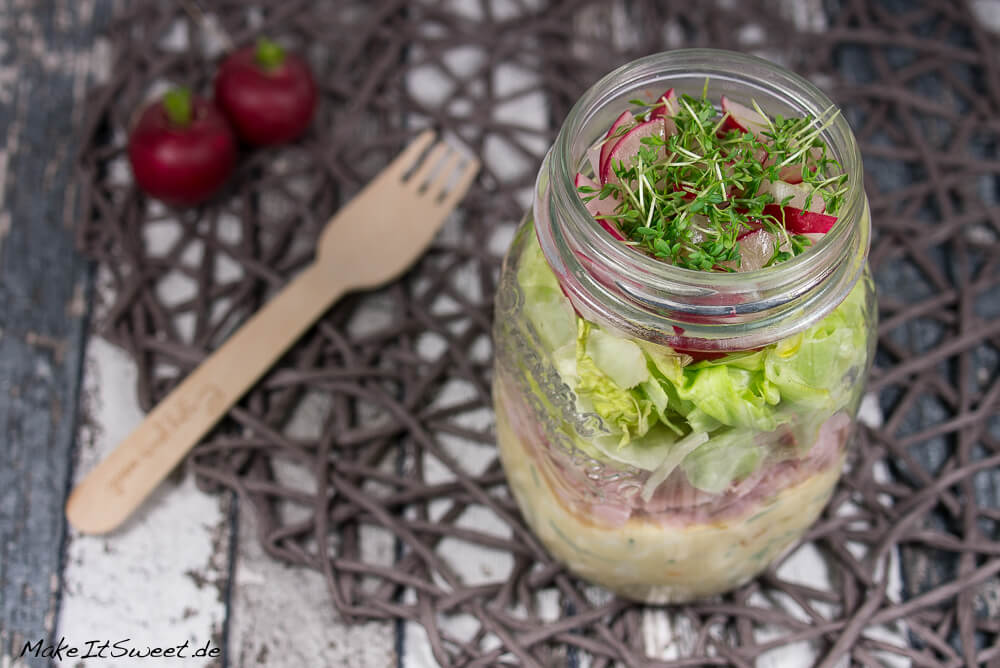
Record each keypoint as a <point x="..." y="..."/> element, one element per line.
<point x="399" y="379"/>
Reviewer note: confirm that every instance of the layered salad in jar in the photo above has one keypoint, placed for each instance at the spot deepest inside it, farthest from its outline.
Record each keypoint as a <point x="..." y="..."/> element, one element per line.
<point x="665" y="473"/>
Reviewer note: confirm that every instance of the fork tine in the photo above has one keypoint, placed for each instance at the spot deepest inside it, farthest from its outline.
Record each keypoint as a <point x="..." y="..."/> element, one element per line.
<point x="447" y="169"/>
<point x="452" y="197"/>
<point x="404" y="161"/>
<point x="421" y="175"/>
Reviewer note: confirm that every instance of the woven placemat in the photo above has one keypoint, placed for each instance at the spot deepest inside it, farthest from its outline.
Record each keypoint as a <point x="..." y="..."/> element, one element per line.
<point x="368" y="452"/>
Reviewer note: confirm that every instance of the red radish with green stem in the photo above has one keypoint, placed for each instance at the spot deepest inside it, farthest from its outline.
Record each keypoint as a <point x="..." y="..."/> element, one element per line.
<point x="181" y="149"/>
<point x="798" y="221"/>
<point x="268" y="94"/>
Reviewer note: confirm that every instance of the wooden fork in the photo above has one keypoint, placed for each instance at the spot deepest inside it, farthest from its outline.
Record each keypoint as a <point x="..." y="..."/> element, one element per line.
<point x="370" y="241"/>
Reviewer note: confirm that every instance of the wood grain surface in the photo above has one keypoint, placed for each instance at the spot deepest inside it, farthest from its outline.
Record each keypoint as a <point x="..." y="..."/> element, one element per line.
<point x="44" y="69"/>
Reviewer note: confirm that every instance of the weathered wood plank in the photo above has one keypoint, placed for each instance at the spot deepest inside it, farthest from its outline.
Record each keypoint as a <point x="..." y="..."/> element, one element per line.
<point x="163" y="578"/>
<point x="44" y="66"/>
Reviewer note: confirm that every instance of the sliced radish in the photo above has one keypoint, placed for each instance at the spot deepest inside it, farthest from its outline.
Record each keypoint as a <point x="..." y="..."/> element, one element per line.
<point x="628" y="147"/>
<point x="666" y="112"/>
<point x="793" y="173"/>
<point x="626" y="118"/>
<point x="669" y="105"/>
<point x="698" y="225"/>
<point x="756" y="249"/>
<point x="612" y="230"/>
<point x="599" y="206"/>
<point x="798" y="221"/>
<point x="729" y="124"/>
<point x="754" y="226"/>
<point x="582" y="180"/>
<point x="790" y="174"/>
<point x="688" y="193"/>
<point x="745" y="118"/>
<point x="594" y="158"/>
<point x="799" y="194"/>
<point x="596" y="206"/>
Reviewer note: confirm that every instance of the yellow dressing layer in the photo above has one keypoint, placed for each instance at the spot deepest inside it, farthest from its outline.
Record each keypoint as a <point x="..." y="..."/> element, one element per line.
<point x="649" y="562"/>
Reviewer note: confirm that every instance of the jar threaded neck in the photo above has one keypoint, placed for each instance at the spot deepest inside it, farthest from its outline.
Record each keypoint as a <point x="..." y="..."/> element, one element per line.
<point x="645" y="297"/>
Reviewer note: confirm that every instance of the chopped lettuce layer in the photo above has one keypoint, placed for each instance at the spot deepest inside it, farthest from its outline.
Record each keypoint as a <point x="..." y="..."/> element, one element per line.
<point x="712" y="416"/>
<point x="729" y="455"/>
<point x="545" y="305"/>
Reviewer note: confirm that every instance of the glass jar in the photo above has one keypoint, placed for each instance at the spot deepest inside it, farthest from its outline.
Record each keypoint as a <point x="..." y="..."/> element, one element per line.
<point x="744" y="387"/>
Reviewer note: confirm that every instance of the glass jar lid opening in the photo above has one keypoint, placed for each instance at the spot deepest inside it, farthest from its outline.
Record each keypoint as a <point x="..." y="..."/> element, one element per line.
<point x="646" y="297"/>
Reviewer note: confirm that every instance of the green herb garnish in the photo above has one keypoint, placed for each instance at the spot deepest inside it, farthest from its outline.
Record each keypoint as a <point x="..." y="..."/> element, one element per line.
<point x="686" y="198"/>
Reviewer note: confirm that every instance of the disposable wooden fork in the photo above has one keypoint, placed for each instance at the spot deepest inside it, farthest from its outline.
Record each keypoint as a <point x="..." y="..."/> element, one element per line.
<point x="370" y="241"/>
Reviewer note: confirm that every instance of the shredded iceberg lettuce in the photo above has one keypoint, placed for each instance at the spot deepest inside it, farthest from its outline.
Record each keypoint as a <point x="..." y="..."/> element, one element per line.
<point x="620" y="359"/>
<point x="652" y="399"/>
<point x="598" y="367"/>
<point x="545" y="305"/>
<point x="729" y="455"/>
<point x="732" y="396"/>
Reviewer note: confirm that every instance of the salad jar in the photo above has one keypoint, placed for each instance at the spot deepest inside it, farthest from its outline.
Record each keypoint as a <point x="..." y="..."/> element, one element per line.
<point x="668" y="432"/>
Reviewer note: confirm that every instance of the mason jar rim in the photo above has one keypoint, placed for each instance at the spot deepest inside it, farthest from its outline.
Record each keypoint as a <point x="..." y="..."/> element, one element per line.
<point x="647" y="297"/>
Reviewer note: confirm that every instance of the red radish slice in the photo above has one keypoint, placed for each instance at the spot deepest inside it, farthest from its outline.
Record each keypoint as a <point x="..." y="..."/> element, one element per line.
<point x="628" y="147"/>
<point x="585" y="181"/>
<point x="754" y="226"/>
<point x="599" y="206"/>
<point x="798" y="193"/>
<point x="793" y="173"/>
<point x="626" y="118"/>
<point x="669" y="105"/>
<point x="745" y="118"/>
<point x="594" y="158"/>
<point x="729" y="124"/>
<point x="756" y="249"/>
<point x="698" y="223"/>
<point x="798" y="221"/>
<point x="688" y="193"/>
<point x="666" y="112"/>
<point x="612" y="230"/>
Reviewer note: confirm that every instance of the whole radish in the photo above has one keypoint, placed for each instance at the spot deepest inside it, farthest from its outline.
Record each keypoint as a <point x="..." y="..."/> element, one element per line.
<point x="181" y="149"/>
<point x="268" y="94"/>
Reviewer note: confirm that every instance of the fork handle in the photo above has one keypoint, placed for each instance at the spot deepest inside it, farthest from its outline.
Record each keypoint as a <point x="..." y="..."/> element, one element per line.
<point x="119" y="484"/>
